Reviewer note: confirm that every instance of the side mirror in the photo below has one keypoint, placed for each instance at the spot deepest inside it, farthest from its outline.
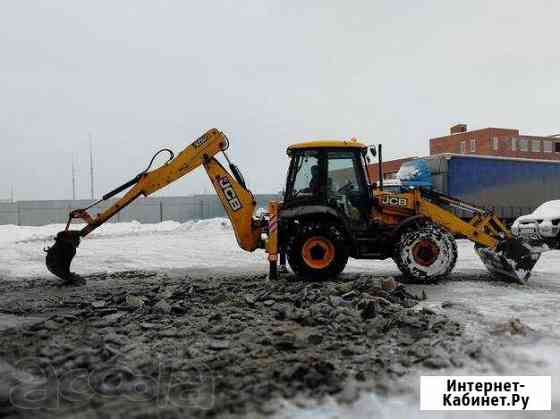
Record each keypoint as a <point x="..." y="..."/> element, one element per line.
<point x="373" y="150"/>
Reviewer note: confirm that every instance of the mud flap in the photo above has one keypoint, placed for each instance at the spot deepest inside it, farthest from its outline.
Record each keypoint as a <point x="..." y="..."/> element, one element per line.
<point x="60" y="255"/>
<point x="512" y="260"/>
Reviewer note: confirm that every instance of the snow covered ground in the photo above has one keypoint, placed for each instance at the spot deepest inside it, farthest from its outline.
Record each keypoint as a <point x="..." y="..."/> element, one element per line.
<point x="127" y="246"/>
<point x="477" y="301"/>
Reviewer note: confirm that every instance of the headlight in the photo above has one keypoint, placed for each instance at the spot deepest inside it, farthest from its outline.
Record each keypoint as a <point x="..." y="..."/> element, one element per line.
<point x="545" y="228"/>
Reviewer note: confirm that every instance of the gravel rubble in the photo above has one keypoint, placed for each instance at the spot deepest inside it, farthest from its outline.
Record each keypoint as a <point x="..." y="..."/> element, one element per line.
<point x="141" y="345"/>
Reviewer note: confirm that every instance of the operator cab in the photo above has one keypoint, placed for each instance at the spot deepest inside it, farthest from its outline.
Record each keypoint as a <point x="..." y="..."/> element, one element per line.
<point x="330" y="174"/>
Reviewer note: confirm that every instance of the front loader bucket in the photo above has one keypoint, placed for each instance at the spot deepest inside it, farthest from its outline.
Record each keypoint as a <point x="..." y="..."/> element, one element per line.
<point x="512" y="260"/>
<point x="61" y="253"/>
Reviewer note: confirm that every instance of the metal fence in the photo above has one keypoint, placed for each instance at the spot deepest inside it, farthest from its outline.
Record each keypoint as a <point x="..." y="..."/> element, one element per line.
<point x="147" y="210"/>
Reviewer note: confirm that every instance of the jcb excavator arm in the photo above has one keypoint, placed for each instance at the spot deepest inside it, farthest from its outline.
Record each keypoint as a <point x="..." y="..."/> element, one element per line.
<point x="237" y="200"/>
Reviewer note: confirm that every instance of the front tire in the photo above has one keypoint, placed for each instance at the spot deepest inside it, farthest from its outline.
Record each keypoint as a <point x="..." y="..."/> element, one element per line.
<point x="426" y="254"/>
<point x="318" y="251"/>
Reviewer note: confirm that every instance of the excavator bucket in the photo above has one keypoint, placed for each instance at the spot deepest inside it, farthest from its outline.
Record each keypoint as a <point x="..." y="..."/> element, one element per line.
<point x="512" y="260"/>
<point x="61" y="253"/>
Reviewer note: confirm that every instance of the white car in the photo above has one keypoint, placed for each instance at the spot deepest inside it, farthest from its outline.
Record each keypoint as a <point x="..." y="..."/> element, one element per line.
<point x="542" y="225"/>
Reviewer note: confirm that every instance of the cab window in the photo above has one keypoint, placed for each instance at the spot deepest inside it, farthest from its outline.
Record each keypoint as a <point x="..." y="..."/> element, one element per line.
<point x="345" y="191"/>
<point x="305" y="178"/>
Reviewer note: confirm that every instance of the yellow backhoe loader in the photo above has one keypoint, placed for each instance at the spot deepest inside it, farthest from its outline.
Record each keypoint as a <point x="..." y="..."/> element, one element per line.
<point x="331" y="211"/>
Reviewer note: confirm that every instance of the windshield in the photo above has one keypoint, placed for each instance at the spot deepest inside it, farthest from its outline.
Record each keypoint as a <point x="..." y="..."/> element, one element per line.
<point x="305" y="178"/>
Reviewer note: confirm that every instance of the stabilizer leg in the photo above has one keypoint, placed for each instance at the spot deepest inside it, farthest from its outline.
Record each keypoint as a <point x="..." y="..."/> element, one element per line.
<point x="273" y="270"/>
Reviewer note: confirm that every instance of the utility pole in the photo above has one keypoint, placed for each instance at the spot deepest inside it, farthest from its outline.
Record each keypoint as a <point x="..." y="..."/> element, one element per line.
<point x="12" y="194"/>
<point x="91" y="166"/>
<point x="73" y="180"/>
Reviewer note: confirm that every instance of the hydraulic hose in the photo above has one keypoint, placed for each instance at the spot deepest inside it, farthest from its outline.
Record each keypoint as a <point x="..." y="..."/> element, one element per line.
<point x="138" y="176"/>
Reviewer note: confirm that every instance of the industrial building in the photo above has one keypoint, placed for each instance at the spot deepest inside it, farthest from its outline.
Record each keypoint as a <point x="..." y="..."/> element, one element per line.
<point x="501" y="142"/>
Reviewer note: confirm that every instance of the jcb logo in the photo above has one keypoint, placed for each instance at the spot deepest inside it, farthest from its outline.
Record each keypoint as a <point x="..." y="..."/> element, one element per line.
<point x="229" y="193"/>
<point x="395" y="201"/>
<point x="200" y="141"/>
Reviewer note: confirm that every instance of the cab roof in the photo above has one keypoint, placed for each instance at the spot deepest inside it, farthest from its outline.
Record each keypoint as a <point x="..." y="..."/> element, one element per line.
<point x="353" y="143"/>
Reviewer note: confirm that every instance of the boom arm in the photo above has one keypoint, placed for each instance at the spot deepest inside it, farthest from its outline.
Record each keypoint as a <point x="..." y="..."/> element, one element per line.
<point x="237" y="200"/>
<point x="484" y="228"/>
<point x="147" y="183"/>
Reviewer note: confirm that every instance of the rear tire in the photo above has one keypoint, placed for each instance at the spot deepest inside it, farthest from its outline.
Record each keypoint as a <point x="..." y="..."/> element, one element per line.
<point x="426" y="254"/>
<point x="318" y="251"/>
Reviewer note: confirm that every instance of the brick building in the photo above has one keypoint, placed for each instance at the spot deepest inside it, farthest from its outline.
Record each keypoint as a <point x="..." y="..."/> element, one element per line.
<point x="496" y="142"/>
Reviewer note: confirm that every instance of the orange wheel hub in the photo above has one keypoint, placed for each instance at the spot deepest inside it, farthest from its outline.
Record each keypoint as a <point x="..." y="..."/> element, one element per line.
<point x="318" y="252"/>
<point x="425" y="252"/>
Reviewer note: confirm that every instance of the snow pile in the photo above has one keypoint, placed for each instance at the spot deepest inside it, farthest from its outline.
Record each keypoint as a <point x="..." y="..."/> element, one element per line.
<point x="23" y="234"/>
<point x="127" y="246"/>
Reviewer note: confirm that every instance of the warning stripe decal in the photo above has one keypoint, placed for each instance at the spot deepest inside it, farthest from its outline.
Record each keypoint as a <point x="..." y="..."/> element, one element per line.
<point x="273" y="224"/>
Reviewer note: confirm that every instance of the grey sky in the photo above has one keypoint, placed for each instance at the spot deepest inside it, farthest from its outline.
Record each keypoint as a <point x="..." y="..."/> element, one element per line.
<point x="140" y="75"/>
